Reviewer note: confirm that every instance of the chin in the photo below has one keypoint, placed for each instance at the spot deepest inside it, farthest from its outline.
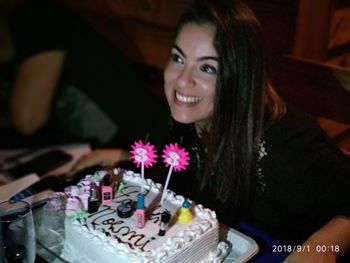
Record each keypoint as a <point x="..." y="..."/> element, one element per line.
<point x="182" y="119"/>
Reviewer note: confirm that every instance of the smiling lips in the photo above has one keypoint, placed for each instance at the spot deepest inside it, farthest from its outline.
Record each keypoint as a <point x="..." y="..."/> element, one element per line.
<point x="181" y="99"/>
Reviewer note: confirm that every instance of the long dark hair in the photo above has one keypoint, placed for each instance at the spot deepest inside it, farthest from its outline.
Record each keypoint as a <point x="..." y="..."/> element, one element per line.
<point x="242" y="96"/>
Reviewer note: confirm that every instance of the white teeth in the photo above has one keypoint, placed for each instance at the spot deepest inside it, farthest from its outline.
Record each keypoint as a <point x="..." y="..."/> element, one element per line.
<point x="186" y="99"/>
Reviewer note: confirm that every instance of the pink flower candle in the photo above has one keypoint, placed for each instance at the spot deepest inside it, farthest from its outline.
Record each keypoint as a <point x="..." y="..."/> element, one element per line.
<point x="143" y="155"/>
<point x="175" y="157"/>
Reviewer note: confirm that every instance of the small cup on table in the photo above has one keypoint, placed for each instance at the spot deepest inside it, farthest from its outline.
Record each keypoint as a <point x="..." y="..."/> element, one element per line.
<point x="17" y="233"/>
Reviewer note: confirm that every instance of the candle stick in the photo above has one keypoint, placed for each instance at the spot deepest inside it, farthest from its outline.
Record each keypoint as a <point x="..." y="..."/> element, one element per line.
<point x="175" y="157"/>
<point x="142" y="175"/>
<point x="166" y="184"/>
<point x="143" y="155"/>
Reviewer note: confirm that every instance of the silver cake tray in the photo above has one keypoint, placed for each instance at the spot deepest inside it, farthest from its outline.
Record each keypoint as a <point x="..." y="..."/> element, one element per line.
<point x="243" y="247"/>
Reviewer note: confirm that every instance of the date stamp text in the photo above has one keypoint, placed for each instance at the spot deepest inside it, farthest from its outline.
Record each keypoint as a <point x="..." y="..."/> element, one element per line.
<point x="305" y="248"/>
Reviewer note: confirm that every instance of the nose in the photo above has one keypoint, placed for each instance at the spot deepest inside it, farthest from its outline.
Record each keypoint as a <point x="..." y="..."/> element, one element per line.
<point x="186" y="78"/>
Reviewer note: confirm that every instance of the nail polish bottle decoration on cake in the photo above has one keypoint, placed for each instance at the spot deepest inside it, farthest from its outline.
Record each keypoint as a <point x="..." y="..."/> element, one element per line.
<point x="185" y="214"/>
<point x="107" y="190"/>
<point x="140" y="211"/>
<point x="93" y="201"/>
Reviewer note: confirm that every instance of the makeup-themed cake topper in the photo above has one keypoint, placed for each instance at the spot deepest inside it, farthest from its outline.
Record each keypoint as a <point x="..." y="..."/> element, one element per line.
<point x="164" y="222"/>
<point x="143" y="155"/>
<point x="175" y="157"/>
<point x="140" y="211"/>
<point x="185" y="214"/>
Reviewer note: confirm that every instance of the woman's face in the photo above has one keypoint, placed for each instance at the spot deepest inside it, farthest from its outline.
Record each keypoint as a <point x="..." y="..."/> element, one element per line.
<point x="190" y="75"/>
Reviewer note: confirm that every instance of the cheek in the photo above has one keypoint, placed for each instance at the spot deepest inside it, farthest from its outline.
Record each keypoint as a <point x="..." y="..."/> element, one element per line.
<point x="209" y="88"/>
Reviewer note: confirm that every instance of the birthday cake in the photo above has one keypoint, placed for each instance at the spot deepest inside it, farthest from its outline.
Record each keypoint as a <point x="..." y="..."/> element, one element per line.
<point x="119" y="216"/>
<point x="112" y="234"/>
<point x="105" y="235"/>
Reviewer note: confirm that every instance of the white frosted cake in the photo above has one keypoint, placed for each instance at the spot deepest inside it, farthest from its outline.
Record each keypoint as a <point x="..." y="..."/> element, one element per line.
<point x="103" y="236"/>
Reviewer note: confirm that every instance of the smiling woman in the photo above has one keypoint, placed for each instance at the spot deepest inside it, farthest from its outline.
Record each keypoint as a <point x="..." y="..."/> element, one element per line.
<point x="190" y="76"/>
<point x="245" y="140"/>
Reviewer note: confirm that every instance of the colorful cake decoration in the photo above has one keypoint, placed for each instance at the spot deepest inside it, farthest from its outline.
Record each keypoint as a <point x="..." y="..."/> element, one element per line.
<point x="107" y="190"/>
<point x="140" y="211"/>
<point x="143" y="155"/>
<point x="184" y="215"/>
<point x="164" y="222"/>
<point x="93" y="201"/>
<point x="175" y="157"/>
<point x="125" y="210"/>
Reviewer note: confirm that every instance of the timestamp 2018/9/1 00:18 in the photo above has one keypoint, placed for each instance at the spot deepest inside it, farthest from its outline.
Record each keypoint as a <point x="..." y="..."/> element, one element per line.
<point x="304" y="248"/>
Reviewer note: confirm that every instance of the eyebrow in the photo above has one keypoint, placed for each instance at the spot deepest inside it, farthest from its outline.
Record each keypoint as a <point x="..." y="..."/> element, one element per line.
<point x="201" y="58"/>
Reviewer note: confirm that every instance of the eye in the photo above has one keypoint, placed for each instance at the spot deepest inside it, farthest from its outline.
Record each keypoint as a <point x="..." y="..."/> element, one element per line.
<point x="208" y="69"/>
<point x="176" y="58"/>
